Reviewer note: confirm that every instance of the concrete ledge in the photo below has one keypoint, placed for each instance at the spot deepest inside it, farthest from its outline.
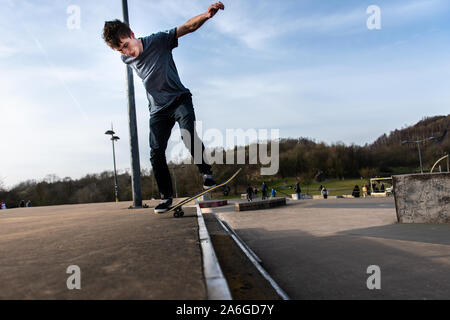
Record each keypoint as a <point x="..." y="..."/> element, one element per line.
<point x="422" y="198"/>
<point x="321" y="197"/>
<point x="379" y="194"/>
<point x="302" y="196"/>
<point x="213" y="203"/>
<point x="257" y="205"/>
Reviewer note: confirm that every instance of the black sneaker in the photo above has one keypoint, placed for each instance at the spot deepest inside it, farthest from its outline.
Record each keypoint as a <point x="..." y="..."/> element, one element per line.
<point x="163" y="206"/>
<point x="208" y="181"/>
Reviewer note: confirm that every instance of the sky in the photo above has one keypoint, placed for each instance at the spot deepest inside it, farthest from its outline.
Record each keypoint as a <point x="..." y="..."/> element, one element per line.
<point x="307" y="68"/>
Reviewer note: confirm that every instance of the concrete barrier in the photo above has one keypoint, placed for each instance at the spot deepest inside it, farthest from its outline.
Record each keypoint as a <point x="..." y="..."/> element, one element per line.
<point x="422" y="198"/>
<point x="212" y="203"/>
<point x="262" y="204"/>
<point x="302" y="196"/>
<point x="321" y="197"/>
<point x="379" y="195"/>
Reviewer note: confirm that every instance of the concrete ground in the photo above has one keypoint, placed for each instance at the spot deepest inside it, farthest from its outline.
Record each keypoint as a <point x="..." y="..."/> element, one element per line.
<point x="321" y="249"/>
<point x="121" y="253"/>
<point x="314" y="249"/>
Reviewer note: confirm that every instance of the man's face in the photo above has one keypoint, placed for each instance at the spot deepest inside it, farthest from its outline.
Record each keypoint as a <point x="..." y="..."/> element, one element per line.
<point x="130" y="47"/>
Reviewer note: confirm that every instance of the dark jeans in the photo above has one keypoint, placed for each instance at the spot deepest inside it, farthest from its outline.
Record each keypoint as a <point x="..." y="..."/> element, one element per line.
<point x="161" y="124"/>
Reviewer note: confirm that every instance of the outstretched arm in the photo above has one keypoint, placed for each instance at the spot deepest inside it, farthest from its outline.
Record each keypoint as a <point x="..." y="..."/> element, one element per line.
<point x="193" y="24"/>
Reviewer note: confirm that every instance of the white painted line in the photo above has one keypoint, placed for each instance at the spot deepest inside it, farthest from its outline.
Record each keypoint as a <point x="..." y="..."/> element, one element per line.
<point x="216" y="284"/>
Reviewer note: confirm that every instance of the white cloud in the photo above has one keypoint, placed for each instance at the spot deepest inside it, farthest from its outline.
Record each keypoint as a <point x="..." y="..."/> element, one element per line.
<point x="243" y="21"/>
<point x="6" y="52"/>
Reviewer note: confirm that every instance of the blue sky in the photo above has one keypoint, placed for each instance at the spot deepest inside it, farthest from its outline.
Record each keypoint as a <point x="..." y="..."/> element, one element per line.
<point x="308" y="68"/>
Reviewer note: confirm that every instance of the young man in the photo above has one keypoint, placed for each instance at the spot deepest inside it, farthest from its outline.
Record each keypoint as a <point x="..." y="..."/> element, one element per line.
<point x="169" y="101"/>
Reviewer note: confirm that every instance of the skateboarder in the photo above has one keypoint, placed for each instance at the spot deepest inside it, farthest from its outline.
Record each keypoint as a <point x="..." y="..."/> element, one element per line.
<point x="169" y="101"/>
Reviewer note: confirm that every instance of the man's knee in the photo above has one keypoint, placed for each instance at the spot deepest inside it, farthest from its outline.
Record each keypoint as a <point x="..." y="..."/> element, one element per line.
<point x="158" y="157"/>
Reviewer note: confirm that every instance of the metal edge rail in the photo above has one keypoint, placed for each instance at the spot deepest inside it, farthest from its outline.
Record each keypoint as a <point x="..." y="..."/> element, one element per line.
<point x="253" y="258"/>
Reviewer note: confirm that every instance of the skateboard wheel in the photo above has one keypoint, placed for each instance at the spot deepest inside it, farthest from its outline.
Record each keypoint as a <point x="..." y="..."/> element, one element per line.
<point x="178" y="214"/>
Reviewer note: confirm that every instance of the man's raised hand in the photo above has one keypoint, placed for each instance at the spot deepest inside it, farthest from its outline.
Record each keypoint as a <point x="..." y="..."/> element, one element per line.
<point x="212" y="10"/>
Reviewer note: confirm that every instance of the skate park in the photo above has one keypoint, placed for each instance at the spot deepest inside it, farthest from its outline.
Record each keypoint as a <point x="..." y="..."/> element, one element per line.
<point x="340" y="101"/>
<point x="305" y="249"/>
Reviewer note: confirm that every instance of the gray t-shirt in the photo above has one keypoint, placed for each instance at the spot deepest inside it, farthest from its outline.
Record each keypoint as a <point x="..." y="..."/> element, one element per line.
<point x="156" y="68"/>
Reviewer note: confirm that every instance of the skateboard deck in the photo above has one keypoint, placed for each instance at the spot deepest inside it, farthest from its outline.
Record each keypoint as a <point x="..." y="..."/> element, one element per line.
<point x="177" y="208"/>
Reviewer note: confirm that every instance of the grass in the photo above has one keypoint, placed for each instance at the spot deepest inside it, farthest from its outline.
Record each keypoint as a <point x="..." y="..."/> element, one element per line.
<point x="285" y="187"/>
<point x="335" y="187"/>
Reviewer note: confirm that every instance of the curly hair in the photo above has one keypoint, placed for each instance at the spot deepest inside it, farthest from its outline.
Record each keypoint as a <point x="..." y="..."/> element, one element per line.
<point x="113" y="31"/>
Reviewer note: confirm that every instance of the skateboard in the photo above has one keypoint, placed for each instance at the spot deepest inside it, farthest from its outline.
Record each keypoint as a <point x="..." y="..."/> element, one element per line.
<point x="177" y="208"/>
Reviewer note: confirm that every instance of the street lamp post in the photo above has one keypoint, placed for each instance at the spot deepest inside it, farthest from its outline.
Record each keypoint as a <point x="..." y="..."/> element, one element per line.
<point x="175" y="178"/>
<point x="418" y="147"/>
<point x="132" y="122"/>
<point x="113" y="139"/>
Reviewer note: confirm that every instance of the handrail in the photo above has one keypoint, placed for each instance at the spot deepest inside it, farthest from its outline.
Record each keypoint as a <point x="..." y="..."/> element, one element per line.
<point x="446" y="156"/>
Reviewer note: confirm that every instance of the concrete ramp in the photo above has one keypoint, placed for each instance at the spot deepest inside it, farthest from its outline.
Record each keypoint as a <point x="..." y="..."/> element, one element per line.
<point x="422" y="198"/>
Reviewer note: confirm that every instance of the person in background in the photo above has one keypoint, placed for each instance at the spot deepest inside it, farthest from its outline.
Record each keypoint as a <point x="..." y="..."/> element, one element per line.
<point x="324" y="192"/>
<point x="356" y="191"/>
<point x="2" y="205"/>
<point x="29" y="204"/>
<point x="226" y="190"/>
<point x="298" y="190"/>
<point x="249" y="193"/>
<point x="274" y="193"/>
<point x="375" y="187"/>
<point x="364" y="190"/>
<point x="264" y="190"/>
